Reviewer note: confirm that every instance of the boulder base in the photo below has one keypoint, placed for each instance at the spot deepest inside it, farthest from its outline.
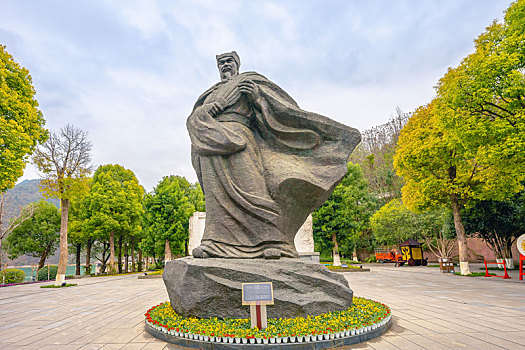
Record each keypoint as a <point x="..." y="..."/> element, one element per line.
<point x="212" y="287"/>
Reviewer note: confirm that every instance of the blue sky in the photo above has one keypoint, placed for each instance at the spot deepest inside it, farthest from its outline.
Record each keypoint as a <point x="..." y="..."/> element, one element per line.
<point x="129" y="72"/>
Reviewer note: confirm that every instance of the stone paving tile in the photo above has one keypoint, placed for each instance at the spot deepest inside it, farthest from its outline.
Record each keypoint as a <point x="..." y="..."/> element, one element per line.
<point x="143" y="337"/>
<point x="91" y="347"/>
<point x="492" y="339"/>
<point x="154" y="346"/>
<point x="463" y="341"/>
<point x="113" y="346"/>
<point x="132" y="346"/>
<point x="424" y="342"/>
<point x="401" y="343"/>
<point x="414" y="328"/>
<point x="516" y="337"/>
<point x="431" y="311"/>
<point x="362" y="346"/>
<point x="382" y="344"/>
<point x="174" y="347"/>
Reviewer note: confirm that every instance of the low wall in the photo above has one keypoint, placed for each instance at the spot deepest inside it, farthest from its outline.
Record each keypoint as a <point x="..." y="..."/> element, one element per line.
<point x="477" y="251"/>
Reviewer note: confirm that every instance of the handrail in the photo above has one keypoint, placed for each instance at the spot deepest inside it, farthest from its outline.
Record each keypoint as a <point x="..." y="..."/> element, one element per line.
<point x="506" y="276"/>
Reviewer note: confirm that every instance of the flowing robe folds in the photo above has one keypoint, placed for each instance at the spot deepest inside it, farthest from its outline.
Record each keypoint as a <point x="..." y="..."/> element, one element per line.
<point x="264" y="165"/>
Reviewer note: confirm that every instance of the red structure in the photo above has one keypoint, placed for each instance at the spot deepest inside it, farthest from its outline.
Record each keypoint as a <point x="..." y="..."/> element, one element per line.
<point x="505" y="276"/>
<point x="522" y="259"/>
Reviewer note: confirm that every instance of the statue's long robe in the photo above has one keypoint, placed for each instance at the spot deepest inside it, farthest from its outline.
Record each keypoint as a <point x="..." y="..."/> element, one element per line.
<point x="263" y="166"/>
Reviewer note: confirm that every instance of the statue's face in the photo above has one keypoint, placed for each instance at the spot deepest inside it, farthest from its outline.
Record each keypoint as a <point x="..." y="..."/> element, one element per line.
<point x="227" y="67"/>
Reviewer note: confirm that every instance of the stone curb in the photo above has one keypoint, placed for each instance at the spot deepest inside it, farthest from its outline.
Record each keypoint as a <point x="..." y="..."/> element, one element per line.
<point x="349" y="270"/>
<point x="314" y="345"/>
<point x="147" y="277"/>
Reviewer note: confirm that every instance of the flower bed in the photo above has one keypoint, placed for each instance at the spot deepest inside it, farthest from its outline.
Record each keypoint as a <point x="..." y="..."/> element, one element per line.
<point x="351" y="268"/>
<point x="157" y="272"/>
<point x="364" y="316"/>
<point x="21" y="283"/>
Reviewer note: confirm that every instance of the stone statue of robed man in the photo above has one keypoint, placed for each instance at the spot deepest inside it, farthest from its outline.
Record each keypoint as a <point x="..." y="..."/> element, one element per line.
<point x="263" y="163"/>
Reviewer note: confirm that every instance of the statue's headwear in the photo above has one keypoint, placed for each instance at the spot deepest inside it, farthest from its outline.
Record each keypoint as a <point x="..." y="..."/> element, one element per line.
<point x="230" y="54"/>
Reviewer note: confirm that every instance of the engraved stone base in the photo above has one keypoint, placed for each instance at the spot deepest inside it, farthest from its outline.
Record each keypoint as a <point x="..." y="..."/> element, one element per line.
<point x="212" y="287"/>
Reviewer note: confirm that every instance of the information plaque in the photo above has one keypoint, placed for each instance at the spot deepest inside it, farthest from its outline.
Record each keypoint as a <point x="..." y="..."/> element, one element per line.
<point x="257" y="293"/>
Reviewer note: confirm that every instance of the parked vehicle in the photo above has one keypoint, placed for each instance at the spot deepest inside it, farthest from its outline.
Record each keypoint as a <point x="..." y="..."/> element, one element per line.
<point x="388" y="255"/>
<point x="412" y="253"/>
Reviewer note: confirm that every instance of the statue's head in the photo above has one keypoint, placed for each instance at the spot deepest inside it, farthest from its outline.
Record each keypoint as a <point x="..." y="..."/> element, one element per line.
<point x="228" y="64"/>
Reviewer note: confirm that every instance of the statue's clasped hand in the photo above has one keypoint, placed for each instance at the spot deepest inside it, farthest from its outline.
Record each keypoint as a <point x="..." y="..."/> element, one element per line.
<point x="250" y="89"/>
<point x="214" y="108"/>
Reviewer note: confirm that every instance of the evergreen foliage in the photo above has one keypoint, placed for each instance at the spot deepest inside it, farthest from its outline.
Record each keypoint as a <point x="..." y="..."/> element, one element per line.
<point x="344" y="217"/>
<point x="167" y="211"/>
<point x="13" y="276"/>
<point x="21" y="122"/>
<point x="37" y="236"/>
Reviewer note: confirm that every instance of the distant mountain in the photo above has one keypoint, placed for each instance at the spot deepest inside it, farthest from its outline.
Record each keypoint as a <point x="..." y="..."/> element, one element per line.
<point x="22" y="194"/>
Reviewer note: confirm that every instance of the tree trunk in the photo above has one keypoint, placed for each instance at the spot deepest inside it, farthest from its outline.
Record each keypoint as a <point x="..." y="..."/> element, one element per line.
<point x="1" y="266"/>
<point x="62" y="262"/>
<point x="119" y="262"/>
<point x="337" y="258"/>
<point x="112" y="269"/>
<point x="354" y="255"/>
<point x="167" y="252"/>
<point x="133" y="254"/>
<point x="43" y="258"/>
<point x="77" y="270"/>
<point x="140" y="260"/>
<point x="126" y="257"/>
<point x="462" y="238"/>
<point x="89" y="243"/>
<point x="2" y="200"/>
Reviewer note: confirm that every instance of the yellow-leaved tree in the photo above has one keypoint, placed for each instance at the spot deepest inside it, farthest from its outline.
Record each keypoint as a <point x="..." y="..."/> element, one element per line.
<point x="21" y="128"/>
<point x="467" y="144"/>
<point x="65" y="162"/>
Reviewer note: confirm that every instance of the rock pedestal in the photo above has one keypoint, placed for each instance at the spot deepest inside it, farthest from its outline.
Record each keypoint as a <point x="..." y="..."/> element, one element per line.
<point x="212" y="287"/>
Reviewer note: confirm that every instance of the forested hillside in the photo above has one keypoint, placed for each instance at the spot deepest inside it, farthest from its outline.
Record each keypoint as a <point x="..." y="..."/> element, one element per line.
<point x="19" y="196"/>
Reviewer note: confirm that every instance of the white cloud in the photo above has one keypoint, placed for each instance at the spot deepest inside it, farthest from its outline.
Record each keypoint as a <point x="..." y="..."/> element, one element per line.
<point x="129" y="72"/>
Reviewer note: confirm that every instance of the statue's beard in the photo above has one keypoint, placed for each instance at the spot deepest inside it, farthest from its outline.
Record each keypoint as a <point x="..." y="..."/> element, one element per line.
<point x="228" y="74"/>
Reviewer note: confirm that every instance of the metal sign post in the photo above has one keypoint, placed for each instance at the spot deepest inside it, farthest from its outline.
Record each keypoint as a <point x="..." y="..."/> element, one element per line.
<point x="521" y="249"/>
<point x="258" y="295"/>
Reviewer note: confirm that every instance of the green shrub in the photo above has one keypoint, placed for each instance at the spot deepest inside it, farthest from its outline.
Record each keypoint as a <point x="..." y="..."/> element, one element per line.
<point x="152" y="267"/>
<point x="53" y="286"/>
<point x="13" y="276"/>
<point x="160" y="264"/>
<point x="42" y="273"/>
<point x="371" y="259"/>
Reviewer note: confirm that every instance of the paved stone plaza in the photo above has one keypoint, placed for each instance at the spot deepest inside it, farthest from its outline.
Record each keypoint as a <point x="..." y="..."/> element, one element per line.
<point x="431" y="311"/>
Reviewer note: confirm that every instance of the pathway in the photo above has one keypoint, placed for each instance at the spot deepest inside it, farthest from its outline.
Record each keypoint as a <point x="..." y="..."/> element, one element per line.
<point x="431" y="311"/>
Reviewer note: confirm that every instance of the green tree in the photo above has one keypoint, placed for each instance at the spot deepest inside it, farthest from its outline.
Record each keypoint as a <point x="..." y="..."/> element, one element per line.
<point x="438" y="231"/>
<point x="37" y="236"/>
<point x="79" y="234"/>
<point x="64" y="159"/>
<point x="113" y="208"/>
<point x="342" y="219"/>
<point x="167" y="211"/>
<point x="489" y="84"/>
<point x="499" y="223"/>
<point x="394" y="223"/>
<point x="441" y="166"/>
<point x="478" y="122"/>
<point x="21" y="122"/>
<point x="16" y="221"/>
<point x="21" y="127"/>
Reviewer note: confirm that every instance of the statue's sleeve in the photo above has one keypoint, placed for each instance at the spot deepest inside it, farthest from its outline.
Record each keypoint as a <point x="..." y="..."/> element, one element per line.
<point x="209" y="137"/>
